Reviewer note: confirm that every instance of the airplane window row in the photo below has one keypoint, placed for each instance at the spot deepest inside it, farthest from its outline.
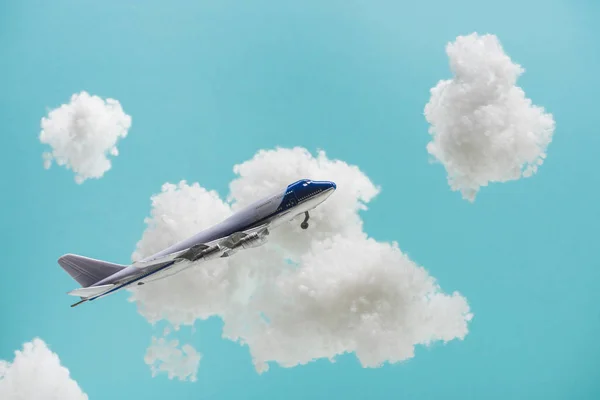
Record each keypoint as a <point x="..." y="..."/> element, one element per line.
<point x="311" y="194"/>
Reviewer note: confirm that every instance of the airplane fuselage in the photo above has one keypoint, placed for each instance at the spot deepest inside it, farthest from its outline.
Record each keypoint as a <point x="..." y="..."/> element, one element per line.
<point x="260" y="216"/>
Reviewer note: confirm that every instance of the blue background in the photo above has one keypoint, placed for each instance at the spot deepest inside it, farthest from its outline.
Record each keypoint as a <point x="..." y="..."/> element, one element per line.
<point x="208" y="83"/>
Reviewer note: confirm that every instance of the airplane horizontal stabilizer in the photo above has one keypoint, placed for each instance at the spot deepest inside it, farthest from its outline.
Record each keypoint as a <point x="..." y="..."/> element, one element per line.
<point x="90" y="291"/>
<point x="79" y="302"/>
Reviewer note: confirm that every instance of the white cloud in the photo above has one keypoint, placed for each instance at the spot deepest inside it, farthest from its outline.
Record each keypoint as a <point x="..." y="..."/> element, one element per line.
<point x="36" y="374"/>
<point x="484" y="129"/>
<point x="306" y="294"/>
<point x="163" y="356"/>
<point x="83" y="133"/>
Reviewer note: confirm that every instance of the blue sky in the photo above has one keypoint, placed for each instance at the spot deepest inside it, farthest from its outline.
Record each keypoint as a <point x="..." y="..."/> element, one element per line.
<point x="208" y="84"/>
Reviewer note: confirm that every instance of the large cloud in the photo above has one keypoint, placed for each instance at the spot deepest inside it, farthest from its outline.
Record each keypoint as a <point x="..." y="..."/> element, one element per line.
<point x="484" y="129"/>
<point x="36" y="374"/>
<point x="82" y="134"/>
<point x="165" y="356"/>
<point x="306" y="294"/>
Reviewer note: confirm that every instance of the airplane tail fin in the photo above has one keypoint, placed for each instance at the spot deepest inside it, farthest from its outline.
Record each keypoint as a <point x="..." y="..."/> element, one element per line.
<point x="87" y="271"/>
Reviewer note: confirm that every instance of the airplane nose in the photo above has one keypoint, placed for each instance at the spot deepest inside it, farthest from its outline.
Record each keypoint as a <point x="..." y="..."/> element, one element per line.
<point x="333" y="185"/>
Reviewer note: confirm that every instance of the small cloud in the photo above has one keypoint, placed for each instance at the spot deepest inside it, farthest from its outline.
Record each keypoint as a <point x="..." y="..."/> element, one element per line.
<point x="483" y="127"/>
<point x="305" y="295"/>
<point x="83" y="133"/>
<point x="36" y="374"/>
<point x="163" y="356"/>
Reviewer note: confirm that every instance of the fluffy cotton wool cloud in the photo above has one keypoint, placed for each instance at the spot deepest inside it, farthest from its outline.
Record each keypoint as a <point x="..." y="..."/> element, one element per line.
<point x="36" y="374"/>
<point x="83" y="133"/>
<point x="484" y="129"/>
<point x="163" y="356"/>
<point x="304" y="295"/>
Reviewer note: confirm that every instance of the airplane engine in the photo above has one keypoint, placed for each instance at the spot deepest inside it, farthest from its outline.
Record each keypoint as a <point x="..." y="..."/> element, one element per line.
<point x="239" y="241"/>
<point x="201" y="251"/>
<point x="253" y="240"/>
<point x="230" y="252"/>
<point x="211" y="253"/>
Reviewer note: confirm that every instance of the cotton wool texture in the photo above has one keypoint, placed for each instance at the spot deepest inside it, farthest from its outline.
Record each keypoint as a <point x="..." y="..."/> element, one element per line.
<point x="304" y="295"/>
<point x="483" y="128"/>
<point x="37" y="374"/>
<point x="166" y="357"/>
<point x="83" y="134"/>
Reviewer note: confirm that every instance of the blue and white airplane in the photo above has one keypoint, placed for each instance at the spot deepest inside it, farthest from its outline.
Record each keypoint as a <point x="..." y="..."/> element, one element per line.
<point x="245" y="229"/>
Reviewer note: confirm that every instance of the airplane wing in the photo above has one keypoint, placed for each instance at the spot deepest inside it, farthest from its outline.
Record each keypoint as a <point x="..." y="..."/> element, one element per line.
<point x="222" y="247"/>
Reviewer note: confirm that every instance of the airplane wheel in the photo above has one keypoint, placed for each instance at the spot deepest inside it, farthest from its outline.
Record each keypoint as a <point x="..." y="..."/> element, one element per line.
<point x="304" y="224"/>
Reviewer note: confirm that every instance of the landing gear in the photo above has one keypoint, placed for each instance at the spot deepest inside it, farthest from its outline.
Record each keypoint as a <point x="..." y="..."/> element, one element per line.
<point x="304" y="224"/>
